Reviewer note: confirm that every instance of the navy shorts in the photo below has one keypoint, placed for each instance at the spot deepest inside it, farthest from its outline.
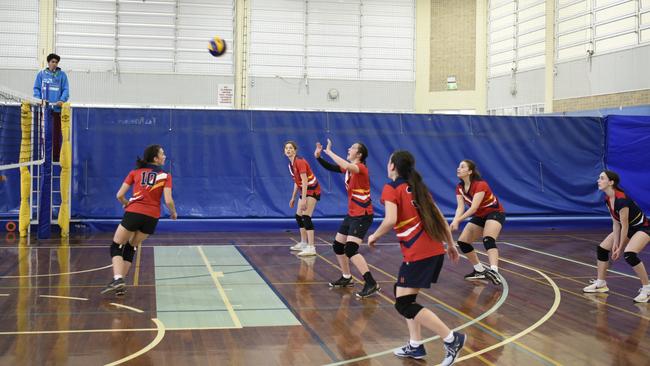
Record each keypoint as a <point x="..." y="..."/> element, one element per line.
<point x="356" y="226"/>
<point x="633" y="230"/>
<point x="420" y="274"/>
<point x="138" y="222"/>
<point x="496" y="216"/>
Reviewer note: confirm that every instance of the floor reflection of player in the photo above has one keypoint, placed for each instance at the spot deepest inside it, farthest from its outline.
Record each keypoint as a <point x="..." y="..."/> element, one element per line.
<point x="348" y="325"/>
<point x="623" y="350"/>
<point x="477" y="302"/>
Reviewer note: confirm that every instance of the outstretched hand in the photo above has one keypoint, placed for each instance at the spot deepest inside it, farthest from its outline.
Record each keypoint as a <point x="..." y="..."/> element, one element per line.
<point x="319" y="149"/>
<point x="329" y="145"/>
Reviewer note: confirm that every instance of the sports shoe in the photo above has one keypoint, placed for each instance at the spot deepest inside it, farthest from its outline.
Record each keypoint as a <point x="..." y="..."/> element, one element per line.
<point x="453" y="348"/>
<point x="368" y="290"/>
<point x="593" y="288"/>
<point x="409" y="351"/>
<point x="644" y="295"/>
<point x="342" y="282"/>
<point x="113" y="286"/>
<point x="120" y="292"/>
<point x="475" y="275"/>
<point x="493" y="276"/>
<point x="309" y="250"/>
<point x="299" y="246"/>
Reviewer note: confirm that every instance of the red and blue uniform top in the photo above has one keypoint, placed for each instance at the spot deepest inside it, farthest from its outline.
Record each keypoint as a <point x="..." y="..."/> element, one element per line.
<point x="489" y="204"/>
<point x="636" y="218"/>
<point x="299" y="166"/>
<point x="148" y="184"/>
<point x="358" y="187"/>
<point x="414" y="241"/>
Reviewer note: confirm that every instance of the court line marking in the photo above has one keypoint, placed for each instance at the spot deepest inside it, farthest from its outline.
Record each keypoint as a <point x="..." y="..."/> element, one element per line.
<point x="159" y="336"/>
<point x="566" y="259"/>
<point x="64" y="297"/>
<point x="215" y="278"/>
<point x="136" y="276"/>
<point x="2" y="295"/>
<point x="59" y="274"/>
<point x="473" y="321"/>
<point x="542" y="320"/>
<point x="127" y="307"/>
<point x="580" y="238"/>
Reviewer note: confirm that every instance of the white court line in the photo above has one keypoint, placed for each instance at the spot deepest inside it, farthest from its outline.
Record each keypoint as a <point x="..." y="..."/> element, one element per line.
<point x="160" y="327"/>
<point x="566" y="259"/>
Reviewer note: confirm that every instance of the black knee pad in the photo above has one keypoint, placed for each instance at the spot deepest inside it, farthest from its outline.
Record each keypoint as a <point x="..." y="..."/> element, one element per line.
<point x="631" y="258"/>
<point x="465" y="247"/>
<point x="489" y="243"/>
<point x="339" y="248"/>
<point x="128" y="252"/>
<point x="306" y="220"/>
<point x="351" y="249"/>
<point x="299" y="221"/>
<point x="407" y="306"/>
<point x="117" y="250"/>
<point x="603" y="254"/>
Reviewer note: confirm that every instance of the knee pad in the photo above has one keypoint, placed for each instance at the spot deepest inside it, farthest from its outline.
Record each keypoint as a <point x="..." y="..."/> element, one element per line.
<point x="306" y="220"/>
<point x="407" y="307"/>
<point x="117" y="250"/>
<point x="603" y="254"/>
<point x="489" y="243"/>
<point x="299" y="221"/>
<point x="351" y="249"/>
<point x="339" y="248"/>
<point x="631" y="258"/>
<point x="465" y="247"/>
<point x="128" y="252"/>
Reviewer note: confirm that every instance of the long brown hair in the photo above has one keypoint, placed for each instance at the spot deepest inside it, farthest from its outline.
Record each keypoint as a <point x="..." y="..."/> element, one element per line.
<point x="613" y="176"/>
<point x="150" y="152"/>
<point x="434" y="222"/>
<point x="471" y="165"/>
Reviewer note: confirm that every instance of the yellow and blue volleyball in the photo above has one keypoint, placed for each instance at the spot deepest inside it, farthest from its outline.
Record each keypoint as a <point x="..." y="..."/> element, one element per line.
<point x="217" y="46"/>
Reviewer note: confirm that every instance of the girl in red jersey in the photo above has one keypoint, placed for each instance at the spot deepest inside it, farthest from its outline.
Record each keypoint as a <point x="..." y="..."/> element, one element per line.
<point x="630" y="230"/>
<point x="487" y="220"/>
<point x="142" y="211"/>
<point x="421" y="229"/>
<point x="304" y="181"/>
<point x="359" y="218"/>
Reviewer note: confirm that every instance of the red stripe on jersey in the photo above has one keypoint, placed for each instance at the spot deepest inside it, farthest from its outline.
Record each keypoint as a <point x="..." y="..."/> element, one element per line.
<point x="415" y="243"/>
<point x="489" y="204"/>
<point x="148" y="185"/>
<point x="358" y="187"/>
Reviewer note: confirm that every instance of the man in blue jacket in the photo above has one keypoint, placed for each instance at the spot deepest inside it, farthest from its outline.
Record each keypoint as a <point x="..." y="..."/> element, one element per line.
<point x="57" y="95"/>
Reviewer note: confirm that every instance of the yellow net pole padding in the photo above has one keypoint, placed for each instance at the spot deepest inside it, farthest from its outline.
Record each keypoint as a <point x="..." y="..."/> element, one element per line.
<point x="24" y="216"/>
<point x="66" y="167"/>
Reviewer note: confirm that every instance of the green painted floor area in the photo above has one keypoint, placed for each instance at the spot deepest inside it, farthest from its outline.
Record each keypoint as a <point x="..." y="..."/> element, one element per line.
<point x="188" y="298"/>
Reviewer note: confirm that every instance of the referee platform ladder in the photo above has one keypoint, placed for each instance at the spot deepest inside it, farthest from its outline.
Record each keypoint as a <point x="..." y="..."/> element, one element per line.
<point x="55" y="196"/>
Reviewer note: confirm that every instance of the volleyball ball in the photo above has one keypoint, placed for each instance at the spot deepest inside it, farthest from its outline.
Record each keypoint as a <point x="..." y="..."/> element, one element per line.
<point x="217" y="46"/>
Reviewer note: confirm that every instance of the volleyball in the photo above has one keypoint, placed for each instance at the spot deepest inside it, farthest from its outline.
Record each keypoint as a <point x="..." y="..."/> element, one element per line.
<point x="217" y="46"/>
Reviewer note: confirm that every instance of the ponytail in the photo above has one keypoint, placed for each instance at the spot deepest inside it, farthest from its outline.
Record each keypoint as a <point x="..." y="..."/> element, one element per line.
<point x="150" y="152"/>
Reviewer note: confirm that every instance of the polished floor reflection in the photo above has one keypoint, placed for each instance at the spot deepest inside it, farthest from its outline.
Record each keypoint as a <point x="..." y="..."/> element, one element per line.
<point x="245" y="299"/>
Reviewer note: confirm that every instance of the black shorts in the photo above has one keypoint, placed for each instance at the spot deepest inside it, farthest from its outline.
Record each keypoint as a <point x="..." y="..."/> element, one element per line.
<point x="356" y="226"/>
<point x="633" y="230"/>
<point x="420" y="274"/>
<point x="316" y="196"/>
<point x="496" y="216"/>
<point x="138" y="222"/>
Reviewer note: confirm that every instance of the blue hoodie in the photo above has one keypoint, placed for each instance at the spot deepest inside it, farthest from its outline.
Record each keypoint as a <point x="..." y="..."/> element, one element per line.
<point x="58" y="82"/>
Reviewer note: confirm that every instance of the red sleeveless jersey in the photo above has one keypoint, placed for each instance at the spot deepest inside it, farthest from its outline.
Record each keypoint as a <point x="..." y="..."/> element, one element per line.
<point x="489" y="204"/>
<point x="299" y="166"/>
<point x="358" y="187"/>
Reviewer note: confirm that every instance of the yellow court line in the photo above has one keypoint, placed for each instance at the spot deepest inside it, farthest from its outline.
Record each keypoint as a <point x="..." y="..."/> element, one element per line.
<point x="136" y="276"/>
<point x="159" y="336"/>
<point x="59" y="274"/>
<point x="64" y="297"/>
<point x="542" y="320"/>
<point x="469" y="317"/>
<point x="215" y="279"/>
<point x="127" y="307"/>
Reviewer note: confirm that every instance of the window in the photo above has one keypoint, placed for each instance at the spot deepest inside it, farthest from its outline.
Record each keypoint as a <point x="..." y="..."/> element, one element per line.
<point x="600" y="26"/>
<point x="161" y="36"/>
<point x="19" y="34"/>
<point x="516" y="35"/>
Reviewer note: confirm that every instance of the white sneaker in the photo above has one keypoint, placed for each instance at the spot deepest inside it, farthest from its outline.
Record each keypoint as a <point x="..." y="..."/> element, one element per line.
<point x="644" y="295"/>
<point x="593" y="288"/>
<point x="308" y="251"/>
<point x="299" y="247"/>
